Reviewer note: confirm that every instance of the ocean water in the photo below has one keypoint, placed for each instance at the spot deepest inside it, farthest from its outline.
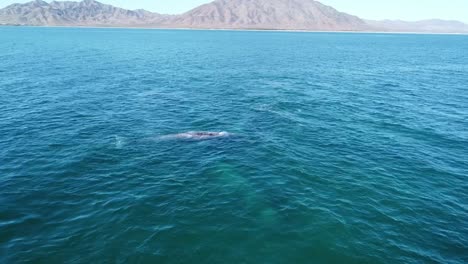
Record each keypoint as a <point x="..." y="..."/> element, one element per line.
<point x="343" y="148"/>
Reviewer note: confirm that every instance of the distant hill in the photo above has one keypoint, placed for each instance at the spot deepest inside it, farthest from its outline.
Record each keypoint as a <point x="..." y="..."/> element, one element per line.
<point x="219" y="14"/>
<point x="431" y="25"/>
<point x="269" y="14"/>
<point x="85" y="13"/>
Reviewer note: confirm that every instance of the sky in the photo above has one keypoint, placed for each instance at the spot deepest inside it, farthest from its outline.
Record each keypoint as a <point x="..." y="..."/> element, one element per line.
<point x="367" y="9"/>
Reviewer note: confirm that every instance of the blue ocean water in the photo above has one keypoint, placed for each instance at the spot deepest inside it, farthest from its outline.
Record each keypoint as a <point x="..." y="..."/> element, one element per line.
<point x="343" y="148"/>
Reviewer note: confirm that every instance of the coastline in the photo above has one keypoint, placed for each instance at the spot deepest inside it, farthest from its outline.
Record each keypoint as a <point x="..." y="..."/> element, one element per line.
<point x="244" y="29"/>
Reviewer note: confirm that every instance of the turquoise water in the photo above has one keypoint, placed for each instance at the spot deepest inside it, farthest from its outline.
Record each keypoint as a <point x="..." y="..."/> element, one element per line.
<point x="343" y="148"/>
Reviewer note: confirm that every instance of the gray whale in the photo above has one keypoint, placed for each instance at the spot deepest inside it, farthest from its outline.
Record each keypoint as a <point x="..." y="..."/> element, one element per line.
<point x="197" y="135"/>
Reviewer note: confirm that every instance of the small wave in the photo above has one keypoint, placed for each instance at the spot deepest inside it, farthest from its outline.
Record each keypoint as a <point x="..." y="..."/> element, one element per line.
<point x="390" y="85"/>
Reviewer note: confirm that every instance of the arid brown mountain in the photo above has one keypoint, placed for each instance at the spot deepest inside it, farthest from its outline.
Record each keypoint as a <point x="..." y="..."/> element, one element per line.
<point x="85" y="13"/>
<point x="219" y="14"/>
<point x="269" y="14"/>
<point x="243" y="14"/>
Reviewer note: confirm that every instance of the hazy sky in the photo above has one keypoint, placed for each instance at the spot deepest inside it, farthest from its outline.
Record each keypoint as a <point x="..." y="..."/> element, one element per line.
<point x="369" y="9"/>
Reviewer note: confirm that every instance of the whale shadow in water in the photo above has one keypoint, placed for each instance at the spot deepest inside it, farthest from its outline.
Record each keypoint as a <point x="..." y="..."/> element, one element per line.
<point x="254" y="202"/>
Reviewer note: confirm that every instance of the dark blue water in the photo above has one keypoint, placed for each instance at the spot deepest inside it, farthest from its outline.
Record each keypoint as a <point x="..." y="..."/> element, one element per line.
<point x="344" y="148"/>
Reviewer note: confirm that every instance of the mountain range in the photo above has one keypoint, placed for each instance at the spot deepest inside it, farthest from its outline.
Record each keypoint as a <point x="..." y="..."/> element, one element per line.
<point x="219" y="14"/>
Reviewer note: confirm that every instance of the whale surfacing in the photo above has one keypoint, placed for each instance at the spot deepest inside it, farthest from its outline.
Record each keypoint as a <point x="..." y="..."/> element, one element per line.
<point x="197" y="135"/>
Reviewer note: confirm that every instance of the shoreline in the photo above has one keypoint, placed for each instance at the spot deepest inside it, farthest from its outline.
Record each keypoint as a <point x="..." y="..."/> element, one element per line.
<point x="246" y="29"/>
